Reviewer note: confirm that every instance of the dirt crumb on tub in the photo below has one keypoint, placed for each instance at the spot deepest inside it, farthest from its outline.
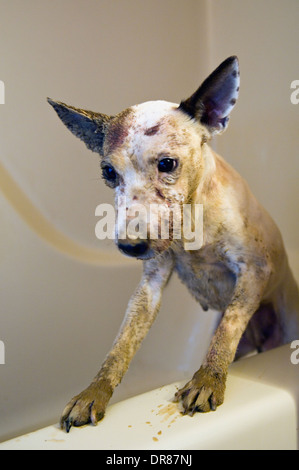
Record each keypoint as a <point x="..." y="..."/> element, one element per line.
<point x="155" y="438"/>
<point x="172" y="421"/>
<point x="168" y="410"/>
<point x="170" y="413"/>
<point x="56" y="441"/>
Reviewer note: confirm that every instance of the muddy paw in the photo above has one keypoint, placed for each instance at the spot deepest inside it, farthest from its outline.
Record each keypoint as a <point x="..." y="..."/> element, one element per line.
<point x="204" y="392"/>
<point x="87" y="407"/>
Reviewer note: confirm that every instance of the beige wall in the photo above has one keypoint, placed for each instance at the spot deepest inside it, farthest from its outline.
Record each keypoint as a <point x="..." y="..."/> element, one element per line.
<point x="62" y="300"/>
<point x="263" y="137"/>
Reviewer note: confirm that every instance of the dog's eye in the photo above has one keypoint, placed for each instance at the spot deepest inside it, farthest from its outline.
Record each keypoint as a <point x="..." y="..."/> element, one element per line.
<point x="166" y="165"/>
<point x="109" y="173"/>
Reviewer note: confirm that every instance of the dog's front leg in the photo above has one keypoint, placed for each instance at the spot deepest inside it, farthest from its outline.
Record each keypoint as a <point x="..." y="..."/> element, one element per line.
<point x="90" y="405"/>
<point x="205" y="391"/>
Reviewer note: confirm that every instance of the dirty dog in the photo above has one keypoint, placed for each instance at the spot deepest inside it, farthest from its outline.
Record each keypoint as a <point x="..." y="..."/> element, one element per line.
<point x="158" y="152"/>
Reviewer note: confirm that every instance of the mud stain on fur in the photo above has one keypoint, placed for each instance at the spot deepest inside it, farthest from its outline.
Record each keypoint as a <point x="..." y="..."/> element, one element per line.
<point x="117" y="131"/>
<point x="152" y="130"/>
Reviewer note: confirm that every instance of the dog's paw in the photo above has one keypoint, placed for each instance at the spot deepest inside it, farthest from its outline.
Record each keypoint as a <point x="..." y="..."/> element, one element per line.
<point x="204" y="392"/>
<point x="87" y="407"/>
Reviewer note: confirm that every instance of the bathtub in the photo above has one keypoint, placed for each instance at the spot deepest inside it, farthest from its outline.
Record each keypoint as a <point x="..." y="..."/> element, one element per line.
<point x="261" y="411"/>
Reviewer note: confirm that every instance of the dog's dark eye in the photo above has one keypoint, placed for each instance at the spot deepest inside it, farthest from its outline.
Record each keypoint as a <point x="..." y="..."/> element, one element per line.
<point x="109" y="173"/>
<point x="166" y="165"/>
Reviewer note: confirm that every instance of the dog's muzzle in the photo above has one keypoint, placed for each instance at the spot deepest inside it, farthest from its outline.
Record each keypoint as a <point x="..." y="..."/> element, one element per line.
<point x="135" y="248"/>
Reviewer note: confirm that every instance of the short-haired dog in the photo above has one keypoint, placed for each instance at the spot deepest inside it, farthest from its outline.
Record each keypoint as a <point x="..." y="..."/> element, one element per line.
<point x="158" y="153"/>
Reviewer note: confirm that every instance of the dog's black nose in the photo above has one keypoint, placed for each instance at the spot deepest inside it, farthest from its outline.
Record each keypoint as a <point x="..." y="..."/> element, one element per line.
<point x="134" y="249"/>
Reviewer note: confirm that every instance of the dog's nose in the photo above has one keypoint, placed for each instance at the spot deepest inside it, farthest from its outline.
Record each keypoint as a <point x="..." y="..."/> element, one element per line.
<point x="134" y="249"/>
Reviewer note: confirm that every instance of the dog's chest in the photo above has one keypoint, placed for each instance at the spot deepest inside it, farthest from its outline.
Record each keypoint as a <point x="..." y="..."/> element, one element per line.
<point x="208" y="279"/>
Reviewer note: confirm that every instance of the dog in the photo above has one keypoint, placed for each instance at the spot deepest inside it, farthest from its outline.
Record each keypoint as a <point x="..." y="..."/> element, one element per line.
<point x="158" y="153"/>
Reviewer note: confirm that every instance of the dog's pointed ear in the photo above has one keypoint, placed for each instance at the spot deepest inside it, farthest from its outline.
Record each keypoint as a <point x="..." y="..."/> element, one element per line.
<point x="88" y="126"/>
<point x="212" y="103"/>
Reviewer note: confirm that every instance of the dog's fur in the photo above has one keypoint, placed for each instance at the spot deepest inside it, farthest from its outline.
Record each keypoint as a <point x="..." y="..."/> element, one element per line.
<point x="241" y="269"/>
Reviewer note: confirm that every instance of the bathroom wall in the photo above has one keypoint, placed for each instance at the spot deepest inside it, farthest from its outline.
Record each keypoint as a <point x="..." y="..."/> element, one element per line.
<point x="263" y="136"/>
<point x="63" y="292"/>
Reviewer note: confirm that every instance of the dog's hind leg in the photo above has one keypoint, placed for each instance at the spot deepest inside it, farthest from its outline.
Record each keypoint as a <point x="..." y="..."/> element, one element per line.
<point x="276" y="321"/>
<point x="286" y="303"/>
<point x="264" y="331"/>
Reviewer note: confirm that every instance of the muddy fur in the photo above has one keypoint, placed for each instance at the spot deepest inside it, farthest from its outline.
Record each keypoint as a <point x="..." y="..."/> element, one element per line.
<point x="241" y="269"/>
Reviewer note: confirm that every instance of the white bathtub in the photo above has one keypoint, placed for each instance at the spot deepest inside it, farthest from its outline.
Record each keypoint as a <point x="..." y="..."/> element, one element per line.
<point x="261" y="411"/>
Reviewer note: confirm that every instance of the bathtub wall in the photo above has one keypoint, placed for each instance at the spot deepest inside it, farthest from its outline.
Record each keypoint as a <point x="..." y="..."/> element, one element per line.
<point x="63" y="292"/>
<point x="262" y="140"/>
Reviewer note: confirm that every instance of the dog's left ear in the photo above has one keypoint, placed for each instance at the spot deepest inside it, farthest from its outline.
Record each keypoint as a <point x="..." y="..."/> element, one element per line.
<point x="212" y="103"/>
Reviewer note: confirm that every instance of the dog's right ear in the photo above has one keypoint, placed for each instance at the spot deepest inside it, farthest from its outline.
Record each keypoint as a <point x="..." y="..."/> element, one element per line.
<point x="212" y="103"/>
<point x="88" y="126"/>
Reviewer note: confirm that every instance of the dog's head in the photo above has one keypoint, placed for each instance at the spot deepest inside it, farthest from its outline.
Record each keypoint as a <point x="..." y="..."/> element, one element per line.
<point x="153" y="156"/>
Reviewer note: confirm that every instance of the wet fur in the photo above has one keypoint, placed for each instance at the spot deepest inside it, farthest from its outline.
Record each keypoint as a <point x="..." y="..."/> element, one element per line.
<point x="242" y="268"/>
